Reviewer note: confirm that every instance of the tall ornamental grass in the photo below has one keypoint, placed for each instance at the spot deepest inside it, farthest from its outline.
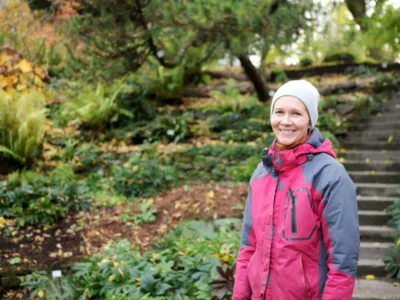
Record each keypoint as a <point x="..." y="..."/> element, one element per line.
<point x="21" y="125"/>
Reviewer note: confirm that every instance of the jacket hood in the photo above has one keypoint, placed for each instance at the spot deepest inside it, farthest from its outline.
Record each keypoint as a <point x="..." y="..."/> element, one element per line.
<point x="288" y="159"/>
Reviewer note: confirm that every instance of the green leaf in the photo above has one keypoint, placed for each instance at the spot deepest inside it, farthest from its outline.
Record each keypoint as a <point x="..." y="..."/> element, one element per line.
<point x="15" y="260"/>
<point x="148" y="282"/>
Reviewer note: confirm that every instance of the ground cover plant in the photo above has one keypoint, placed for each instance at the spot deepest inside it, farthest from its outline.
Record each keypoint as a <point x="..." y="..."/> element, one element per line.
<point x="190" y="251"/>
<point x="392" y="261"/>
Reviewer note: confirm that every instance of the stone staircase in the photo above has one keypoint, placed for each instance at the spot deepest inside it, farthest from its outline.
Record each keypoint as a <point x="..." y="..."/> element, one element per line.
<point x="371" y="156"/>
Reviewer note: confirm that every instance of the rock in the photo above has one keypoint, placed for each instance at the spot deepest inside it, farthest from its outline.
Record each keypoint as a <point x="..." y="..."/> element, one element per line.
<point x="344" y="109"/>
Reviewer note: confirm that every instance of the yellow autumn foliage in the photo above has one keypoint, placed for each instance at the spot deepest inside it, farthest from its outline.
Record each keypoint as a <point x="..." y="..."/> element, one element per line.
<point x="17" y="73"/>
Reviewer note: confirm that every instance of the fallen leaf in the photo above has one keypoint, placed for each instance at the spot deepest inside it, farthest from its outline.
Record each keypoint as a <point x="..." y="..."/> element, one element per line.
<point x="370" y="277"/>
<point x="390" y="139"/>
<point x="24" y="65"/>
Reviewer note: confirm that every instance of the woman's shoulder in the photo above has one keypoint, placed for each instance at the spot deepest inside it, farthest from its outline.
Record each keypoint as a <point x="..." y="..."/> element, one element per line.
<point x="326" y="165"/>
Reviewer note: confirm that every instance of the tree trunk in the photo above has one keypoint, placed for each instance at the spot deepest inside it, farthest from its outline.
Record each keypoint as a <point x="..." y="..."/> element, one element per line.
<point x="256" y="79"/>
<point x="358" y="10"/>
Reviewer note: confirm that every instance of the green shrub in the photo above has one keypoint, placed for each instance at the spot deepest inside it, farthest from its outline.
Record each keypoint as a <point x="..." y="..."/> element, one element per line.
<point x="331" y="101"/>
<point x="32" y="198"/>
<point x="392" y="261"/>
<point x="332" y="138"/>
<point x="339" y="57"/>
<point x="147" y="213"/>
<point x="361" y="70"/>
<point x="163" y="82"/>
<point x="384" y="83"/>
<point x="243" y="172"/>
<point x="306" y="61"/>
<point x="223" y="121"/>
<point x="21" y="126"/>
<point x="237" y="127"/>
<point x="134" y="99"/>
<point x="370" y="103"/>
<point x="394" y="211"/>
<point x="164" y="128"/>
<point x="211" y="162"/>
<point x="170" y="128"/>
<point x="96" y="108"/>
<point x="84" y="156"/>
<point x="280" y="76"/>
<point x="40" y="285"/>
<point x="328" y="121"/>
<point x="181" y="266"/>
<point x="141" y="177"/>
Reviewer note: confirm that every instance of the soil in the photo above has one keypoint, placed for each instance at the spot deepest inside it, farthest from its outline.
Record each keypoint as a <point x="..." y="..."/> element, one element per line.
<point x="85" y="233"/>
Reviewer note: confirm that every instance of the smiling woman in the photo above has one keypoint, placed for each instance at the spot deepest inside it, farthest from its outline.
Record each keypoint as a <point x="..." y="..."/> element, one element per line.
<point x="300" y="236"/>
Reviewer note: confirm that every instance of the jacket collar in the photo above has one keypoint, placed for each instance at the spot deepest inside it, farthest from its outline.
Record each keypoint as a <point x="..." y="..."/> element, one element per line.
<point x="288" y="159"/>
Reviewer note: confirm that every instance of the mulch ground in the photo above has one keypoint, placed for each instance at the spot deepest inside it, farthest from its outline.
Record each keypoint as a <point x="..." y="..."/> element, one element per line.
<point x="85" y="233"/>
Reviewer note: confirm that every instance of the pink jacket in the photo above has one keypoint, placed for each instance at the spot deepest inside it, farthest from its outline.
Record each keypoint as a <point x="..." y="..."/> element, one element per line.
<point x="300" y="237"/>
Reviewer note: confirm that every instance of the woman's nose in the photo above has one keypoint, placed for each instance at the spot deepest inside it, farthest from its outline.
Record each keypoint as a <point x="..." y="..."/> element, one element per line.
<point x="286" y="119"/>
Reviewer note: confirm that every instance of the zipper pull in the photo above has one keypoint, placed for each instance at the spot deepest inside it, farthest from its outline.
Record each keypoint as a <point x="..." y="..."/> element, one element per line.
<point x="265" y="151"/>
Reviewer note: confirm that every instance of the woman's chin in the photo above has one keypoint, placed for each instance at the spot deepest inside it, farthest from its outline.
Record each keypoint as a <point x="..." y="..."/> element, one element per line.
<point x="286" y="141"/>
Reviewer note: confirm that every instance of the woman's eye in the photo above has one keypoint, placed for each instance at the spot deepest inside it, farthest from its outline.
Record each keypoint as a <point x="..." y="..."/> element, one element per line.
<point x="297" y="113"/>
<point x="278" y="112"/>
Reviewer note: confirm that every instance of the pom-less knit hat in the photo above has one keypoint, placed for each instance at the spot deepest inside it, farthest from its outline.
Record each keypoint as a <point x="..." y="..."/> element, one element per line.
<point x="305" y="92"/>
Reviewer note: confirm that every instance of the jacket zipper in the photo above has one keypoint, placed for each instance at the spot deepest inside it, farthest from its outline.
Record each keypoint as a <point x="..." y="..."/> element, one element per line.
<point x="293" y="215"/>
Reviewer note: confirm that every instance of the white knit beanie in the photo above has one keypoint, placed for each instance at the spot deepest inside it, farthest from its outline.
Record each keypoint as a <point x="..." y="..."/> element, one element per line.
<point x="305" y="92"/>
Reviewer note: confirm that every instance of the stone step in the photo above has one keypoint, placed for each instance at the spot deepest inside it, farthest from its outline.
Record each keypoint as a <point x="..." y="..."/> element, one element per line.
<point x="375" y="117"/>
<point x="375" y="176"/>
<point x="378" y="189"/>
<point x="370" y="267"/>
<point x="358" y="143"/>
<point x="389" y="108"/>
<point x="386" y="112"/>
<point x="374" y="202"/>
<point x="374" y="250"/>
<point x="391" y="104"/>
<point x="373" y="217"/>
<point x="368" y="165"/>
<point x="379" y="139"/>
<point x="354" y="126"/>
<point x="378" y="134"/>
<point x="375" y="290"/>
<point x="392" y="155"/>
<point x="369" y="233"/>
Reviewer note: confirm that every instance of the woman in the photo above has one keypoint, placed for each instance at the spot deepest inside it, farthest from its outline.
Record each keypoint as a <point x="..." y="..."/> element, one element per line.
<point x="300" y="236"/>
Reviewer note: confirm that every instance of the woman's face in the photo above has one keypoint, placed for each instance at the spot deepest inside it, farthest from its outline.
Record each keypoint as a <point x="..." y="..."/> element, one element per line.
<point x="289" y="120"/>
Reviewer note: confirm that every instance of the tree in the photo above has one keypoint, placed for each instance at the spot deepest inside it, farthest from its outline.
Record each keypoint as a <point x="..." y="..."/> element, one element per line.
<point x="120" y="35"/>
<point x="384" y="17"/>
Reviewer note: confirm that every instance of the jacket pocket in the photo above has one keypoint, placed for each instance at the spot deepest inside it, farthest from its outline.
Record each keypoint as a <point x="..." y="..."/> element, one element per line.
<point x="299" y="219"/>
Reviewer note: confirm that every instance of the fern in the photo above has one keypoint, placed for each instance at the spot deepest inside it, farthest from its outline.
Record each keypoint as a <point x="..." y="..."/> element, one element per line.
<point x="21" y="125"/>
<point x="95" y="108"/>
